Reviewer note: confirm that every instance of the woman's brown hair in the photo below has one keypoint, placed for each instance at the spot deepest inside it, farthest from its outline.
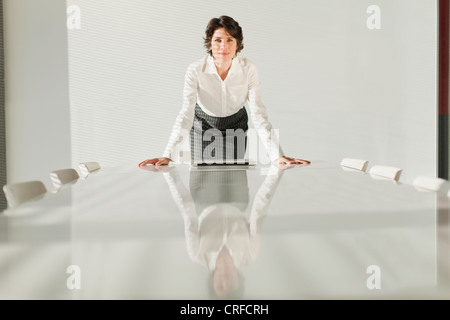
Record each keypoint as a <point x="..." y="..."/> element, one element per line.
<point x="230" y="25"/>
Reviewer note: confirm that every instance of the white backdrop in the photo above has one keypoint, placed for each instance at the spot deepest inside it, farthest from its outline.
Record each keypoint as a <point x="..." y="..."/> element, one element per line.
<point x="332" y="86"/>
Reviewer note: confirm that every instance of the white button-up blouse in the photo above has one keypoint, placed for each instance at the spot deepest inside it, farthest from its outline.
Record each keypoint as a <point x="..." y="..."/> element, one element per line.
<point x="222" y="98"/>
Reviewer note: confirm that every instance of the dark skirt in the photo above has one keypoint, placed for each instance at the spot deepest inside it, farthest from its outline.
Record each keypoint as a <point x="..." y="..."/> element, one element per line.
<point x="219" y="138"/>
<point x="214" y="187"/>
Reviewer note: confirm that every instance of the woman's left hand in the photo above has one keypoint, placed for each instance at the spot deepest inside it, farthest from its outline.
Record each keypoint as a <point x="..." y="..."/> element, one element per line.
<point x="287" y="161"/>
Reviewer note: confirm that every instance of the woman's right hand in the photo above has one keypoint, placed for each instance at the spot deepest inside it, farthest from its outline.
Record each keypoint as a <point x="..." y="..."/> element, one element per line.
<point x="155" y="161"/>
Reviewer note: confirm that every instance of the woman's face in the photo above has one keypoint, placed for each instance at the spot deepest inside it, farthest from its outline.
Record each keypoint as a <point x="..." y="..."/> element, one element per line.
<point x="223" y="46"/>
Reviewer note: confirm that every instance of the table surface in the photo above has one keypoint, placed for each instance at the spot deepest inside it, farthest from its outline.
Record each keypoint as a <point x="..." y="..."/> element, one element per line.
<point x="310" y="232"/>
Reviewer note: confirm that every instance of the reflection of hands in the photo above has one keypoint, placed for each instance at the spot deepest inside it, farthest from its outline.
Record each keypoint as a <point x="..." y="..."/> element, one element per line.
<point x="289" y="163"/>
<point x="155" y="161"/>
<point x="289" y="160"/>
<point x="163" y="168"/>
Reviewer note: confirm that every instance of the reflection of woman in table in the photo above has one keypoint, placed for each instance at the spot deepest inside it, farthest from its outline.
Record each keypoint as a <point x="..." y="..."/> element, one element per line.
<point x="219" y="234"/>
<point x="215" y="91"/>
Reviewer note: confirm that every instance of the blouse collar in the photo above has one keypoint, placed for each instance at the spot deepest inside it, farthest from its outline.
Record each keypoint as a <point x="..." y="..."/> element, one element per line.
<point x="234" y="69"/>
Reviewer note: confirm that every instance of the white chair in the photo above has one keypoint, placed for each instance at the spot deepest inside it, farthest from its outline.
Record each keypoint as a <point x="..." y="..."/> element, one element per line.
<point x="423" y="183"/>
<point x="356" y="164"/>
<point x="88" y="167"/>
<point x="63" y="176"/>
<point x="18" y="193"/>
<point x="385" y="172"/>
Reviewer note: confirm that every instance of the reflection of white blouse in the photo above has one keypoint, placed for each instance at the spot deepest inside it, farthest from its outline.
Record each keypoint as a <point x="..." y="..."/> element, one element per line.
<point x="222" y="224"/>
<point x="221" y="98"/>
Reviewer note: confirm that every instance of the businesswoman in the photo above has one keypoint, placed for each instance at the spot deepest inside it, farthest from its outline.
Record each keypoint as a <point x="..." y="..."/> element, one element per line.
<point x="215" y="91"/>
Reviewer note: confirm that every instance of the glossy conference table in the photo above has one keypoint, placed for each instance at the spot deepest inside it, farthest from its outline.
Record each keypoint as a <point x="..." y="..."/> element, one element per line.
<point x="312" y="232"/>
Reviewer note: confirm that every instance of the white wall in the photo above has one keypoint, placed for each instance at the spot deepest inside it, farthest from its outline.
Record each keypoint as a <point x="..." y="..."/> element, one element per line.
<point x="37" y="98"/>
<point x="334" y="87"/>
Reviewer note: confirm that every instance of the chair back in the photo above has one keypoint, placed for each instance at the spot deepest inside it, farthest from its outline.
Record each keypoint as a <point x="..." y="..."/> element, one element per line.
<point x="18" y="193"/>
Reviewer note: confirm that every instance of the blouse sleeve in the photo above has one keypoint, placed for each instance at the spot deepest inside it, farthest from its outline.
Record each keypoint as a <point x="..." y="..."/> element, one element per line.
<point x="259" y="116"/>
<point x="185" y="118"/>
<point x="186" y="205"/>
<point x="263" y="198"/>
